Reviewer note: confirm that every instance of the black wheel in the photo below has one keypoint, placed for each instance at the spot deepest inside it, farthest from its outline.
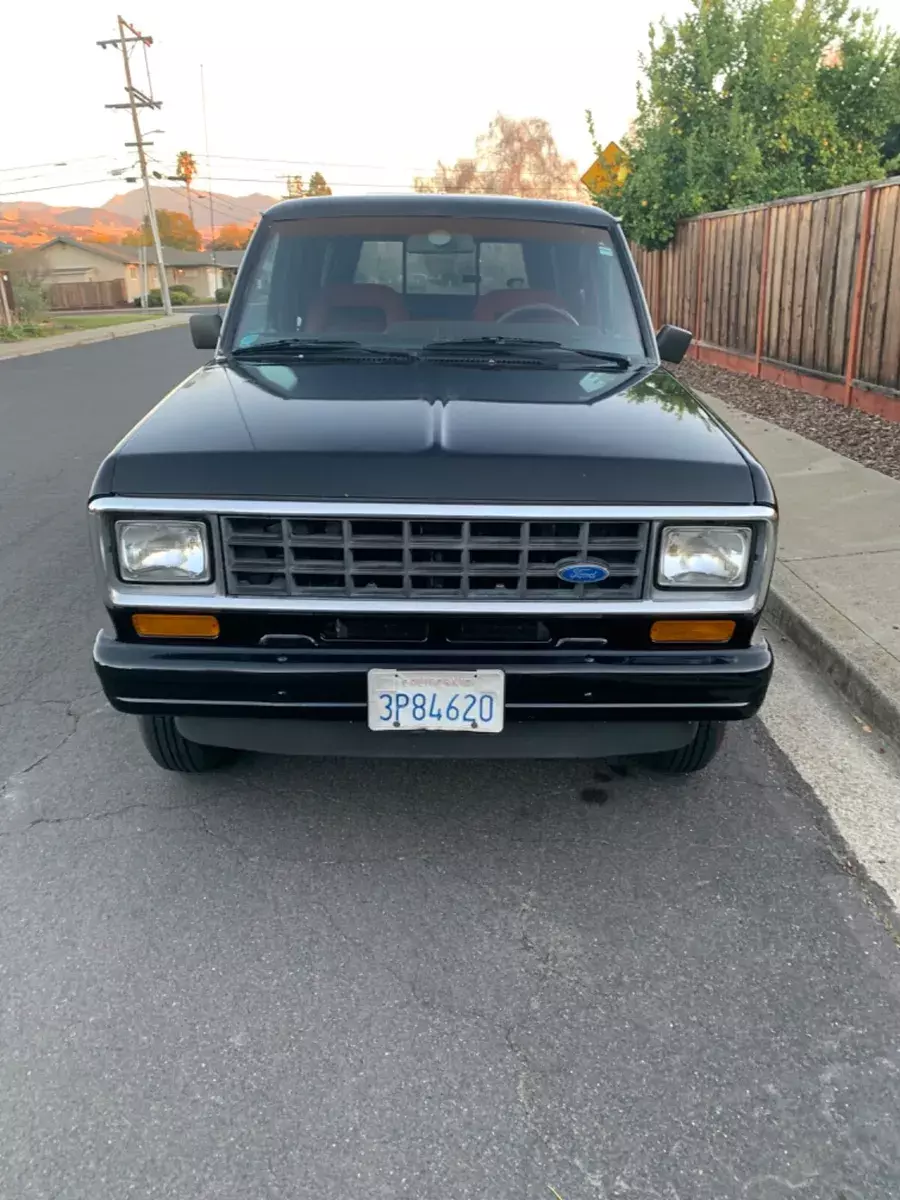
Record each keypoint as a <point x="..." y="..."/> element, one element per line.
<point x="172" y="752"/>
<point x="690" y="758"/>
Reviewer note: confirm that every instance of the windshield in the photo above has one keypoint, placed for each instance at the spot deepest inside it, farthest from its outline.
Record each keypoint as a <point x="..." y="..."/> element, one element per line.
<point x="408" y="282"/>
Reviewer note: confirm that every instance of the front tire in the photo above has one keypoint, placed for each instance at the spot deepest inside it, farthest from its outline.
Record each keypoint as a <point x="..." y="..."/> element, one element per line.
<point x="696" y="755"/>
<point x="173" y="752"/>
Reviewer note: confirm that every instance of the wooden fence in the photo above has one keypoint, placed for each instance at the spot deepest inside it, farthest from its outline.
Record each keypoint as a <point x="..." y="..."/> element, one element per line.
<point x="804" y="292"/>
<point x="107" y="293"/>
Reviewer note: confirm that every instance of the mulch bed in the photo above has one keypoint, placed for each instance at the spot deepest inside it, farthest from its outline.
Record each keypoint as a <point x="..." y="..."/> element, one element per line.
<point x="872" y="441"/>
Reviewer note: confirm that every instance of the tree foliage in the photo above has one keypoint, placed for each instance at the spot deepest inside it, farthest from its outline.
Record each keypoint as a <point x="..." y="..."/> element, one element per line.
<point x="231" y="237"/>
<point x="175" y="230"/>
<point x="186" y="169"/>
<point x="517" y="156"/>
<point x="751" y="100"/>
<point x="318" y="185"/>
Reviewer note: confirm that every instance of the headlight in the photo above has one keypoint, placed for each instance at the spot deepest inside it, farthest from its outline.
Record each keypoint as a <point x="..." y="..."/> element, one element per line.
<point x="163" y="551"/>
<point x="704" y="556"/>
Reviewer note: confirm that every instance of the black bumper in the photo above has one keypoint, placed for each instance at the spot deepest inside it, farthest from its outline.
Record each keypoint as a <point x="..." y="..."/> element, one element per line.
<point x="543" y="685"/>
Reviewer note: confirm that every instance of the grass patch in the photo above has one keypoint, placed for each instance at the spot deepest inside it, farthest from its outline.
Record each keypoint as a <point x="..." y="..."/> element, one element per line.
<point x="36" y="329"/>
<point x="98" y="320"/>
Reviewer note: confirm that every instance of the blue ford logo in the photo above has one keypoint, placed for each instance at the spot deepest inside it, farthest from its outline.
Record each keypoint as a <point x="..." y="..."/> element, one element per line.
<point x="583" y="572"/>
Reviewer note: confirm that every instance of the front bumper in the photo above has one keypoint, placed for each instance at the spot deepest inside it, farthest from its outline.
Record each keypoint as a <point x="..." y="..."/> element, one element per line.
<point x="192" y="680"/>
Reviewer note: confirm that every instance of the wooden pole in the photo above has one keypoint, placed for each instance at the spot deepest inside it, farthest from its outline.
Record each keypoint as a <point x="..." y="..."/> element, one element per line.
<point x="859" y="279"/>
<point x="763" y="289"/>
<point x="4" y="303"/>
<point x="142" y="160"/>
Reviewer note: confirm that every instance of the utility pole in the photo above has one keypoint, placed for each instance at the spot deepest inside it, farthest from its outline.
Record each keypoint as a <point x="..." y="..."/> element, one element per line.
<point x="4" y="302"/>
<point x="142" y="271"/>
<point x="136" y="100"/>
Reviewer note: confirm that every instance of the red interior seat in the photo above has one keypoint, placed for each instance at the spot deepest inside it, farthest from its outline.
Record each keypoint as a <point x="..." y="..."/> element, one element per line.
<point x="349" y="307"/>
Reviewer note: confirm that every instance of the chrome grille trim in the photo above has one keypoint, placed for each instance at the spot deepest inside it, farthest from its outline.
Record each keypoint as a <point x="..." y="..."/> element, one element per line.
<point x="211" y="597"/>
<point x="670" y="513"/>
<point x="408" y="558"/>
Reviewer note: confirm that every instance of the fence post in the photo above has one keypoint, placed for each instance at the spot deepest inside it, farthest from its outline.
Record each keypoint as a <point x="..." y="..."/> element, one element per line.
<point x="763" y="289"/>
<point x="856" y="305"/>
<point x="701" y="248"/>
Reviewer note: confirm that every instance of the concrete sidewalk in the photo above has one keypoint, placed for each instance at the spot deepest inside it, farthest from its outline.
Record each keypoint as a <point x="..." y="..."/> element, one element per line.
<point x="84" y="337"/>
<point x="836" y="589"/>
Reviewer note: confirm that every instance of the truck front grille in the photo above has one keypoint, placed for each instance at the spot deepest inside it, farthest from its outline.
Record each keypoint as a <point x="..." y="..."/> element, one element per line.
<point x="412" y="558"/>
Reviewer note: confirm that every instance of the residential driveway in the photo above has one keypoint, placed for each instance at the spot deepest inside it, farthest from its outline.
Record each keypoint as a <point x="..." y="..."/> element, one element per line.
<point x="357" y="980"/>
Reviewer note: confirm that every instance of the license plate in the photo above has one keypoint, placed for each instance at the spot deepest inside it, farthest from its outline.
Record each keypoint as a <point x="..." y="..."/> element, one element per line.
<point x="453" y="701"/>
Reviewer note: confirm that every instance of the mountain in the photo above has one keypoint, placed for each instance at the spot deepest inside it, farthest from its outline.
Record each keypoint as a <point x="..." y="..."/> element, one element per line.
<point x="227" y="210"/>
<point x="90" y="217"/>
<point x="27" y="223"/>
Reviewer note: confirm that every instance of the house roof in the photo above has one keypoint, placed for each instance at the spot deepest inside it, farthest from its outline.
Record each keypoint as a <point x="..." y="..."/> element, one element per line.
<point x="171" y="256"/>
<point x="123" y="254"/>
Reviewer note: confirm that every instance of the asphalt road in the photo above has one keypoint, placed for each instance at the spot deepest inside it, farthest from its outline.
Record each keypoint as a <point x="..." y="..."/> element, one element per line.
<point x="349" y="980"/>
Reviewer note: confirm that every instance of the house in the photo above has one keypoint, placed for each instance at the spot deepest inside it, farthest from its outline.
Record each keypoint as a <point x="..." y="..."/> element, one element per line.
<point x="64" y="260"/>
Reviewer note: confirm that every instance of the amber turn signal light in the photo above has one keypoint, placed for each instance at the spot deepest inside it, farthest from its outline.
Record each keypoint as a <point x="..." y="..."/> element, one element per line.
<point x="691" y="631"/>
<point x="175" y="625"/>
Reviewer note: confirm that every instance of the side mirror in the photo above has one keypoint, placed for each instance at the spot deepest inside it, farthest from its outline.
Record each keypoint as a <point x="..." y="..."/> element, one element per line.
<point x="671" y="342"/>
<point x="205" y="330"/>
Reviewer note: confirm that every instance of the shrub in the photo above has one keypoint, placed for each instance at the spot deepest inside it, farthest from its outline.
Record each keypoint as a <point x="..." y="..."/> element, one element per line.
<point x="15" y="333"/>
<point x="223" y="295"/>
<point x="178" y="296"/>
<point x="183" y="287"/>
<point x="30" y="299"/>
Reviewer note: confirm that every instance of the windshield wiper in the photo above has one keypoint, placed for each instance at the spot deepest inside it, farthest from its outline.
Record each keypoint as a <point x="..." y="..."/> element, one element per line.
<point x="510" y="347"/>
<point x="321" y="348"/>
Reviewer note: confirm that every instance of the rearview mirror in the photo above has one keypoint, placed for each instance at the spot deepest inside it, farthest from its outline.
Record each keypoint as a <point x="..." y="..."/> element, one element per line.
<point x="205" y="329"/>
<point x="672" y="343"/>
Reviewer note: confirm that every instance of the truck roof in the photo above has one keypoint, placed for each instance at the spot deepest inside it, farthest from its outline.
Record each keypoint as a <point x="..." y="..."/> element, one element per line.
<point x="427" y="204"/>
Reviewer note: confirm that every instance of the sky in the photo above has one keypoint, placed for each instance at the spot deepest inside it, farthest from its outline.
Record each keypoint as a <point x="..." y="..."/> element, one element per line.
<point x="370" y="93"/>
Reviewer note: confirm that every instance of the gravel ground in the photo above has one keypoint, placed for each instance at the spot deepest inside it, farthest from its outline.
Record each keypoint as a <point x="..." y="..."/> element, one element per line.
<point x="871" y="441"/>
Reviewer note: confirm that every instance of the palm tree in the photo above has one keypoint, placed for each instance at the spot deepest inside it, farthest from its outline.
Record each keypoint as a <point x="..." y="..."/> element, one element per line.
<point x="186" y="169"/>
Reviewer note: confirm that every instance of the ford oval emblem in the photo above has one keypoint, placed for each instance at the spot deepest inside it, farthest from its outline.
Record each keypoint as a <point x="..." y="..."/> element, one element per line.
<point x="583" y="572"/>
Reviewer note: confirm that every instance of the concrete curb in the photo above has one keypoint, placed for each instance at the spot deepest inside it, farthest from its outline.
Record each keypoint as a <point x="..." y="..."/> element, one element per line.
<point x="859" y="668"/>
<point x="86" y="337"/>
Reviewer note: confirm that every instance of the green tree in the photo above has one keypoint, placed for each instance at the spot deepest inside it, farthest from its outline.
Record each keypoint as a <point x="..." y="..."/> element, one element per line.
<point x="175" y="230"/>
<point x="294" y="187"/>
<point x="750" y="100"/>
<point x="318" y="185"/>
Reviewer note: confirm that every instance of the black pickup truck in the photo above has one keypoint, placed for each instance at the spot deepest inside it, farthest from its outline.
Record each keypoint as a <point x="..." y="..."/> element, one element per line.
<point x="434" y="495"/>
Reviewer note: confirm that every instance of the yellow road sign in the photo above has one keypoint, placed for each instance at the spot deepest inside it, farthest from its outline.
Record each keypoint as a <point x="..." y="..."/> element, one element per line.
<point x="607" y="169"/>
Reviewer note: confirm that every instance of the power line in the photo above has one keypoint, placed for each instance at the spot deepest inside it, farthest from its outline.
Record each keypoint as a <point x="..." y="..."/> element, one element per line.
<point x="34" y="180"/>
<point x="253" y="213"/>
<point x="28" y="178"/>
<point x="67" y="163"/>
<point x="301" y="162"/>
<point x="56" y="186"/>
<point x="273" y="180"/>
<point x="209" y="195"/>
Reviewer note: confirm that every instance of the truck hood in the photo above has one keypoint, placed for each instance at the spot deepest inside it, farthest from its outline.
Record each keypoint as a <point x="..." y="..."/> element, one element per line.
<point x="286" y="431"/>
